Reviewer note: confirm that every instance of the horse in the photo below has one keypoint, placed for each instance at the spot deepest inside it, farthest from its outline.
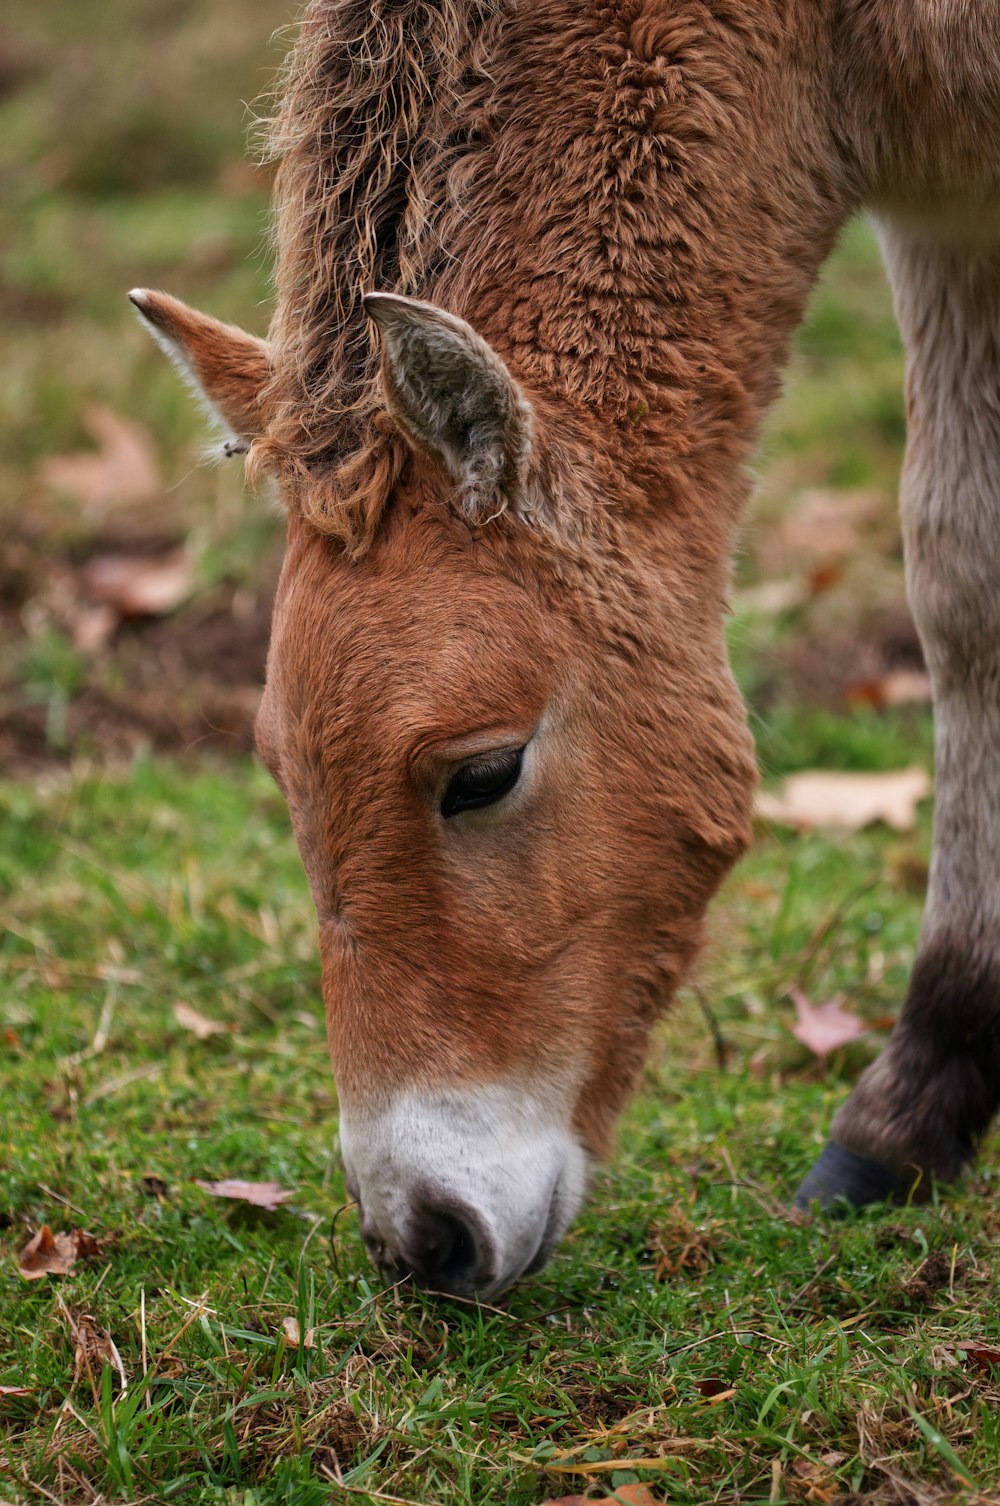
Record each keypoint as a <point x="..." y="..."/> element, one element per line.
<point x="537" y="270"/>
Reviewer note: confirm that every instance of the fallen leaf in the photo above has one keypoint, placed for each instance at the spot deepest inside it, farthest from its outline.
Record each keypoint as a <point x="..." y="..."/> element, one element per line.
<point x="93" y="627"/>
<point x="865" y="693"/>
<point x="290" y="1328"/>
<point x="711" y="1387"/>
<point x="721" y="1396"/>
<point x="198" y="1024"/>
<point x="811" y="1481"/>
<point x="984" y="1356"/>
<point x="772" y="597"/>
<point x="824" y="577"/>
<point x="139" y="585"/>
<point x="900" y="687"/>
<point x="824" y="1027"/>
<point x="48" y="1254"/>
<point x="635" y="1495"/>
<point x="260" y="1194"/>
<point x="628" y="1495"/>
<point x="906" y="687"/>
<point x="121" y="471"/>
<point x="16" y="1391"/>
<point x="847" y="801"/>
<point x="94" y="1347"/>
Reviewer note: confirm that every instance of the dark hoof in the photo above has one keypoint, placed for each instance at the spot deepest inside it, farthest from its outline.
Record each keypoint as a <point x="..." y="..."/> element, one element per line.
<point x="839" y="1176"/>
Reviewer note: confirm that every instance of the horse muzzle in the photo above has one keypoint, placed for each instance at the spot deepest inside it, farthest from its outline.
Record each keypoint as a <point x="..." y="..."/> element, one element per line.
<point x="463" y="1191"/>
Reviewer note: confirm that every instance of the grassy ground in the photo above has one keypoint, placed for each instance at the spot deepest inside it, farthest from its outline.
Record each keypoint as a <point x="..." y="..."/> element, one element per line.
<point x="689" y="1334"/>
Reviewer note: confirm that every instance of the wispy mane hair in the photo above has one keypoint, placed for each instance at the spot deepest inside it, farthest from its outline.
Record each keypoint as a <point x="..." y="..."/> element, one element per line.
<point x="377" y="101"/>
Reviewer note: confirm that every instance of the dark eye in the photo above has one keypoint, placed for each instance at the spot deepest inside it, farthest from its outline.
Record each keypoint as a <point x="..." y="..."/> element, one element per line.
<point x="483" y="782"/>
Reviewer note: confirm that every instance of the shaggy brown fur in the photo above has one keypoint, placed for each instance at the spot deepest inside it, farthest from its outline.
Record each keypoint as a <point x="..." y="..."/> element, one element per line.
<point x="559" y="178"/>
<point x="377" y="104"/>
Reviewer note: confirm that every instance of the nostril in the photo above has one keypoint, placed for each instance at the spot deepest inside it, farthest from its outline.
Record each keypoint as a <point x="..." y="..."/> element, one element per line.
<point x="444" y="1249"/>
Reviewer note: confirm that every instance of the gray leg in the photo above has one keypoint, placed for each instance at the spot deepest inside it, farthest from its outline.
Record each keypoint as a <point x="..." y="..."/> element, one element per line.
<point x="920" y="1109"/>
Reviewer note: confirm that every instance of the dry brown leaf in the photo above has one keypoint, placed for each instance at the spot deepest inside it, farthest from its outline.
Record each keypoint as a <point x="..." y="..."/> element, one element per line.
<point x="811" y="1481"/>
<point x="93" y="627"/>
<point x="985" y="1357"/>
<point x="627" y="1494"/>
<point x="198" y="1024"/>
<point x="635" y="1495"/>
<point x="138" y="585"/>
<point x="906" y="687"/>
<point x="293" y="1333"/>
<point x="16" y="1391"/>
<point x="824" y="1027"/>
<point x="121" y="471"/>
<point x="771" y="598"/>
<point x="268" y="1195"/>
<point x="94" y="1347"/>
<point x="48" y="1254"/>
<point x="900" y="687"/>
<point x="711" y="1387"/>
<point x="847" y="801"/>
<point x="825" y="577"/>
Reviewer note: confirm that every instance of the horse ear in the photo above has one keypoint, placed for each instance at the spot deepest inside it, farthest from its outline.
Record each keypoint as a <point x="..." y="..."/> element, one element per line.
<point x="453" y="396"/>
<point x="227" y="368"/>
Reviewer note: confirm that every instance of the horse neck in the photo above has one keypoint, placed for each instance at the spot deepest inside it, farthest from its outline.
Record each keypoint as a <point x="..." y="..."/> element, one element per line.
<point x="641" y="216"/>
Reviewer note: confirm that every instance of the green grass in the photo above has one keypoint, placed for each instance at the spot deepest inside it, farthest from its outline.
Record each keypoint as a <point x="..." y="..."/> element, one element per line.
<point x="831" y="1359"/>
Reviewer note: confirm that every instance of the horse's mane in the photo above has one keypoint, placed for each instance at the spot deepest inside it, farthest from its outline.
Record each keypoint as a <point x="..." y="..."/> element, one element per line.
<point x="377" y="101"/>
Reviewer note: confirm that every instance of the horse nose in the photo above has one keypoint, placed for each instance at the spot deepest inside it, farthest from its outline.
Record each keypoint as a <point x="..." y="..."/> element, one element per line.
<point x="445" y="1248"/>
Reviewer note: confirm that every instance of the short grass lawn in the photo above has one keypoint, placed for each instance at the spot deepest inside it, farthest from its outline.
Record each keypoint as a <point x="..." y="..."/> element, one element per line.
<point x="690" y="1337"/>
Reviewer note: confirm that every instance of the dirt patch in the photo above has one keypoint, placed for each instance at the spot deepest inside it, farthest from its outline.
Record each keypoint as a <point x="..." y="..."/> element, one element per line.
<point x="341" y="1435"/>
<point x="185" y="681"/>
<point x="599" y="1407"/>
<point x="937" y="1273"/>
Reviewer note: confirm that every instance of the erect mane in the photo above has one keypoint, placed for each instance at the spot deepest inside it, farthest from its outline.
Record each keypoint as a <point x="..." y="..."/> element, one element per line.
<point x="378" y="99"/>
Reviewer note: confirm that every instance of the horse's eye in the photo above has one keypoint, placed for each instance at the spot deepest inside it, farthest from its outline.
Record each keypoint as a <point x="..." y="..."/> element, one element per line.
<point x="483" y="782"/>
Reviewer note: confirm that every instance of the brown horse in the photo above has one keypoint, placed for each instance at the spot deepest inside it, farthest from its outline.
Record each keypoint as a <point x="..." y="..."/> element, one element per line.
<point x="497" y="698"/>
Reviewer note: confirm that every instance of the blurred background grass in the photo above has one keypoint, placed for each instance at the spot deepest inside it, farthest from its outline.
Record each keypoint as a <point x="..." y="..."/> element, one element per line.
<point x="123" y="162"/>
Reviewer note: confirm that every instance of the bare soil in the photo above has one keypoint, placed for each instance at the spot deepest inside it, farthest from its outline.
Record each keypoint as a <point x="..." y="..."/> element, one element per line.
<point x="186" y="681"/>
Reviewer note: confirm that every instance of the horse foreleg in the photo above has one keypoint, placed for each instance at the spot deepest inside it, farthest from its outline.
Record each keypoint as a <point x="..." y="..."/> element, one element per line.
<point x="918" y="1112"/>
